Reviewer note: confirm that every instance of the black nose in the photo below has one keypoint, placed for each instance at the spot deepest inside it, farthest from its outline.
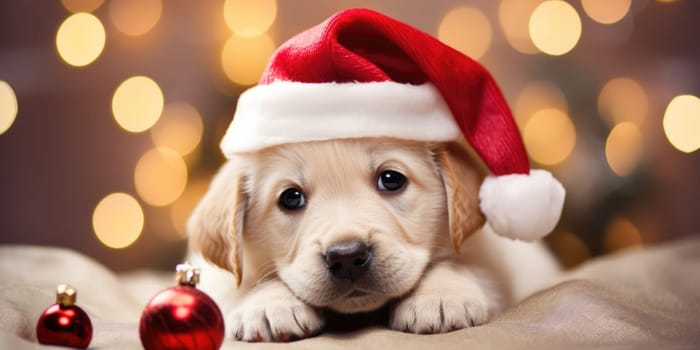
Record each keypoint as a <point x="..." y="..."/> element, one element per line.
<point x="348" y="260"/>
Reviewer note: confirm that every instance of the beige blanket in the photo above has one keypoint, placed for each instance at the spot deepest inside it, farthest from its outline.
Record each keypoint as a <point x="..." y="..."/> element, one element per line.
<point x="647" y="298"/>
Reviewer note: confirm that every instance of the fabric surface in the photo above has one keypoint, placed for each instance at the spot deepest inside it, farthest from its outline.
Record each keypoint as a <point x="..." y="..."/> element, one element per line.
<point x="646" y="298"/>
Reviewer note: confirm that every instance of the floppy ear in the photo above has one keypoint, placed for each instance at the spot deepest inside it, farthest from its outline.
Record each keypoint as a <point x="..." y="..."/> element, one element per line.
<point x="215" y="228"/>
<point x="462" y="181"/>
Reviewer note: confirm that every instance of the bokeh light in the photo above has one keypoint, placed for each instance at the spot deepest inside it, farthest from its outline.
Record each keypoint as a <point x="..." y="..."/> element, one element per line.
<point x="538" y="95"/>
<point x="555" y="27"/>
<point x="623" y="148"/>
<point x="137" y="104"/>
<point x="569" y="248"/>
<point x="514" y="16"/>
<point x="249" y="17"/>
<point x="623" y="99"/>
<point x="621" y="233"/>
<point x="81" y="5"/>
<point x="608" y="11"/>
<point x="179" y="128"/>
<point x="135" y="17"/>
<point x="467" y="30"/>
<point x="181" y="209"/>
<point x="8" y="106"/>
<point x="549" y="136"/>
<point x="243" y="59"/>
<point x="682" y="123"/>
<point x="118" y="220"/>
<point x="160" y="176"/>
<point x="80" y="39"/>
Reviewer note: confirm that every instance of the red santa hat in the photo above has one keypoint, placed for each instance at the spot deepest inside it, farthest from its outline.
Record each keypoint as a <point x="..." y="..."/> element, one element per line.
<point x="362" y="74"/>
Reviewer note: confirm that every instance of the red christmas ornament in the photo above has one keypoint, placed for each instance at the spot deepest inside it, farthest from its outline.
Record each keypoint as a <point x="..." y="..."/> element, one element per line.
<point x="64" y="323"/>
<point x="182" y="317"/>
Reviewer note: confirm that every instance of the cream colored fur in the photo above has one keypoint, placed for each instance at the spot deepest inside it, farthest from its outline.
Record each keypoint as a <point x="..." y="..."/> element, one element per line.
<point x="433" y="257"/>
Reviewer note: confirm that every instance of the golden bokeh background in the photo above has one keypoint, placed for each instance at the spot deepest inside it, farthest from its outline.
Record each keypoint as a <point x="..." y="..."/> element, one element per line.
<point x="111" y="111"/>
<point x="80" y="39"/>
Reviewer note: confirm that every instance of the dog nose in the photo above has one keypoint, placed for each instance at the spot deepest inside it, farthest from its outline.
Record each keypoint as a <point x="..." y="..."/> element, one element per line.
<point x="348" y="260"/>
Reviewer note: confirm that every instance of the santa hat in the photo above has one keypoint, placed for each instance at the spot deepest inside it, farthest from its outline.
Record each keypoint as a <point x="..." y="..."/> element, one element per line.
<point x="362" y="74"/>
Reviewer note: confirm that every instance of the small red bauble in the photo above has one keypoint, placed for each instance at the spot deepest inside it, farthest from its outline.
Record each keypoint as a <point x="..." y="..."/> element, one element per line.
<point x="182" y="317"/>
<point x="64" y="323"/>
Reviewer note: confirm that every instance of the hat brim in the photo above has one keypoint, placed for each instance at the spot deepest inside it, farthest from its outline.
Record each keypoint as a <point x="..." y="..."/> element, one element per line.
<point x="287" y="112"/>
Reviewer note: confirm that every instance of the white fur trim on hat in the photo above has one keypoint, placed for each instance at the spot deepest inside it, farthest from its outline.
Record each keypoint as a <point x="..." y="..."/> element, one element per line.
<point x="285" y="112"/>
<point x="524" y="207"/>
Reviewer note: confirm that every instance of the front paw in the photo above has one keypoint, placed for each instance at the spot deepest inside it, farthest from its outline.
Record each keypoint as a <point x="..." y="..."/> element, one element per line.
<point x="283" y="319"/>
<point x="436" y="313"/>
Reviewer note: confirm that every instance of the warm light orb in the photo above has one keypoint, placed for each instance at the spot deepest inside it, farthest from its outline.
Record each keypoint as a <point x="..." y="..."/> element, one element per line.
<point x="118" y="220"/>
<point x="538" y="95"/>
<point x="549" y="136"/>
<point x="467" y="30"/>
<point x="244" y="58"/>
<point x="160" y="176"/>
<point x="179" y="128"/>
<point x="623" y="148"/>
<point x="514" y="16"/>
<point x="80" y="39"/>
<point x="137" y="104"/>
<point x="623" y="99"/>
<point x="135" y="17"/>
<point x="569" y="248"/>
<point x="682" y="123"/>
<point x="555" y="27"/>
<point x="249" y="17"/>
<point x="81" y="5"/>
<point x="8" y="106"/>
<point x="621" y="233"/>
<point x="607" y="11"/>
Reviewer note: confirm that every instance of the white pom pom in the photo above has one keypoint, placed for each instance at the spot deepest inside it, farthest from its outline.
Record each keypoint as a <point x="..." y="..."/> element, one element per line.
<point x="524" y="207"/>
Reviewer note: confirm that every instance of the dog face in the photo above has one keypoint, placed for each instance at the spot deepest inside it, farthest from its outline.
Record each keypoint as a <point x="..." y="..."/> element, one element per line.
<point x="345" y="224"/>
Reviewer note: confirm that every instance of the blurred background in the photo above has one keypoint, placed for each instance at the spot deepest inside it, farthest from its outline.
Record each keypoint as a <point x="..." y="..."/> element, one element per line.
<point x="111" y="111"/>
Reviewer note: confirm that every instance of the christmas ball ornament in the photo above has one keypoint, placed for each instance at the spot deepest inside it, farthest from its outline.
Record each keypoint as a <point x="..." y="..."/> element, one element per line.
<point x="182" y="317"/>
<point x="64" y="323"/>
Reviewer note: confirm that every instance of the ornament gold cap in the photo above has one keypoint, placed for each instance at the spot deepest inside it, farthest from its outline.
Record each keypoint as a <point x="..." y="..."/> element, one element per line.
<point x="65" y="295"/>
<point x="187" y="275"/>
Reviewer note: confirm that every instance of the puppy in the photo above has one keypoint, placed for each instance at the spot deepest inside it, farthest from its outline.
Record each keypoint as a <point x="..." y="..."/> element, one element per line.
<point x="351" y="225"/>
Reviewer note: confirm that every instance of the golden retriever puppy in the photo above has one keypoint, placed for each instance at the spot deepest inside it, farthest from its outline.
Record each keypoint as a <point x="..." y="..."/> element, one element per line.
<point x="351" y="225"/>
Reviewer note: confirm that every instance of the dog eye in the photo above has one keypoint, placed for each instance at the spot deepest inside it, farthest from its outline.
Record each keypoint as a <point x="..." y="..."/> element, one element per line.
<point x="292" y="198"/>
<point x="390" y="180"/>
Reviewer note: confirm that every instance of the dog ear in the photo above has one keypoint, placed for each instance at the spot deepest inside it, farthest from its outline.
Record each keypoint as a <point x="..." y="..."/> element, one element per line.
<point x="215" y="228"/>
<point x="462" y="179"/>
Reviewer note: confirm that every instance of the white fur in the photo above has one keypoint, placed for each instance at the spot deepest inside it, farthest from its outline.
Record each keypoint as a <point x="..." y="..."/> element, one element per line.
<point x="524" y="207"/>
<point x="286" y="286"/>
<point x="496" y="263"/>
<point x="287" y="112"/>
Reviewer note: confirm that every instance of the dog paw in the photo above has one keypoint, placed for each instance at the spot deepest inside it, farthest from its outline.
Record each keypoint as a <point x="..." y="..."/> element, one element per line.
<point x="279" y="320"/>
<point x="434" y="313"/>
